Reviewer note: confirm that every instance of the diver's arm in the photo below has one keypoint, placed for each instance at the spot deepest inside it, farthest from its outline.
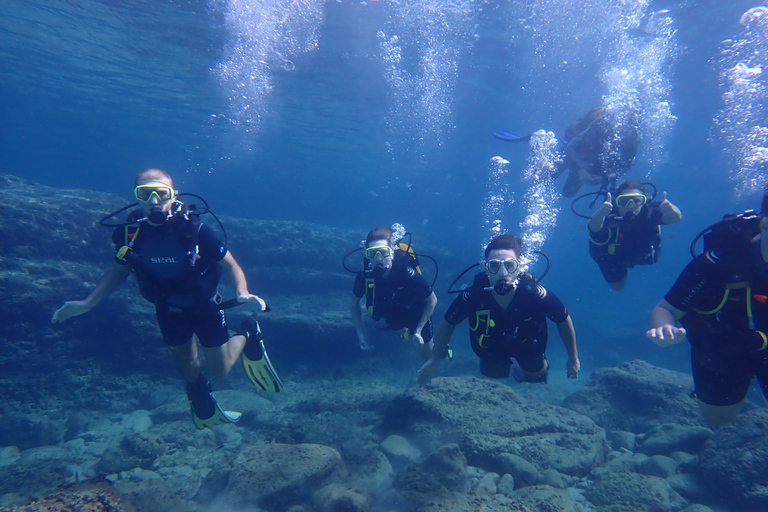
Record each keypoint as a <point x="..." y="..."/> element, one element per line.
<point x="112" y="278"/>
<point x="442" y="337"/>
<point x="429" y="307"/>
<point x="664" y="331"/>
<point x="237" y="278"/>
<point x="568" y="335"/>
<point x="357" y="321"/>
<point x="669" y="212"/>
<point x="595" y="223"/>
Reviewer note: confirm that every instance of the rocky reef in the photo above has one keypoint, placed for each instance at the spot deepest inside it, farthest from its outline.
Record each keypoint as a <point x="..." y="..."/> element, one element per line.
<point x="93" y="417"/>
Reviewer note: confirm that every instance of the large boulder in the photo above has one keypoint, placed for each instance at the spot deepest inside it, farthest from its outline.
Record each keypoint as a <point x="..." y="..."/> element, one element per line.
<point x="636" y="397"/>
<point x="490" y="421"/>
<point x="735" y="461"/>
<point x="273" y="476"/>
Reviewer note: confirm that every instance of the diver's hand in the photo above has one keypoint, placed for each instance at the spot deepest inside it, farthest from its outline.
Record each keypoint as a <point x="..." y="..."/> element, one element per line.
<point x="666" y="335"/>
<point x="364" y="345"/>
<point x="249" y="297"/>
<point x="665" y="206"/>
<point x="418" y="340"/>
<point x="605" y="208"/>
<point x="426" y="371"/>
<point x="572" y="367"/>
<point x="70" y="309"/>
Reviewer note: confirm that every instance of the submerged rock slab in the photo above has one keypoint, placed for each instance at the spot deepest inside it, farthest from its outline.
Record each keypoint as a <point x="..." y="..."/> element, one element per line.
<point x="636" y="397"/>
<point x="488" y="420"/>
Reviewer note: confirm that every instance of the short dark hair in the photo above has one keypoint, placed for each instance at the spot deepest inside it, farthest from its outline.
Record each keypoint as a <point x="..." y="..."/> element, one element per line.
<point x="151" y="171"/>
<point x="627" y="184"/>
<point x="505" y="241"/>
<point x="382" y="233"/>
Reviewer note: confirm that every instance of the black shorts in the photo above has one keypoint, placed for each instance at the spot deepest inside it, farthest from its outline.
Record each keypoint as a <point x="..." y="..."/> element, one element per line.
<point x="179" y="324"/>
<point x="612" y="272"/>
<point x="724" y="380"/>
<point x="531" y="359"/>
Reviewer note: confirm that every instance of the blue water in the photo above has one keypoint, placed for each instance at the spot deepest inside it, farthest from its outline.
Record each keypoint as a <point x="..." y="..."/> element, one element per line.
<point x="356" y="114"/>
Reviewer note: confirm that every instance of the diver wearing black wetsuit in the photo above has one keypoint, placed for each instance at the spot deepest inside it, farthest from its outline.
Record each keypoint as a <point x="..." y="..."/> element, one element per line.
<point x="519" y="331"/>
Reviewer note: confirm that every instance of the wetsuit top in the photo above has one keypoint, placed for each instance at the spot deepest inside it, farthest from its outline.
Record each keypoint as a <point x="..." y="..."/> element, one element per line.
<point x="399" y="299"/>
<point x="493" y="330"/>
<point x="720" y="301"/>
<point x="175" y="262"/>
<point x="629" y="242"/>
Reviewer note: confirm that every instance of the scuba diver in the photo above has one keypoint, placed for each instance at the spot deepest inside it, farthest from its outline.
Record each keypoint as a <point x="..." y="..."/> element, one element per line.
<point x="625" y="230"/>
<point x="599" y="148"/>
<point x="178" y="262"/>
<point x="394" y="290"/>
<point x="507" y="312"/>
<point x="721" y="301"/>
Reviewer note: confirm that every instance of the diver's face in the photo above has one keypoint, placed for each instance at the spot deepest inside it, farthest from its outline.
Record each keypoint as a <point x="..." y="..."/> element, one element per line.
<point x="381" y="260"/>
<point x="632" y="206"/>
<point x="153" y="193"/>
<point x="502" y="265"/>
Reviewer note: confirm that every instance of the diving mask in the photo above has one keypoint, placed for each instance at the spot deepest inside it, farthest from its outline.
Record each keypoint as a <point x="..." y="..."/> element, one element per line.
<point x="494" y="266"/>
<point x="162" y="193"/>
<point x="382" y="251"/>
<point x="631" y="200"/>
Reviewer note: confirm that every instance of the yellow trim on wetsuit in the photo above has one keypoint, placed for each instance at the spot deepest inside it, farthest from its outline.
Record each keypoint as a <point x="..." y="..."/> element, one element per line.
<point x="488" y="324"/>
<point x="370" y="294"/>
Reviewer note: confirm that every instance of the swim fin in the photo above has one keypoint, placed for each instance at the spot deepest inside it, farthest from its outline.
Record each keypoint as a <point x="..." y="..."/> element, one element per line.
<point x="206" y="412"/>
<point x="256" y="364"/>
<point x="511" y="137"/>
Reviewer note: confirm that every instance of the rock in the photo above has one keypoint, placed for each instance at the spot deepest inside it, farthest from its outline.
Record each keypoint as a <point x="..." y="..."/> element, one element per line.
<point x="487" y="484"/>
<point x="445" y="470"/>
<point x="554" y="478"/>
<point x="671" y="437"/>
<point x="88" y="499"/>
<point x="696" y="508"/>
<point x="138" y="421"/>
<point x="378" y="473"/>
<point x="488" y="418"/>
<point x="273" y="476"/>
<point x="735" y="461"/>
<point x="689" y="487"/>
<point x="339" y="498"/>
<point x="506" y="485"/>
<point x="636" y="397"/>
<point x="9" y="455"/>
<point x="658" y="465"/>
<point x="545" y="498"/>
<point x="28" y="431"/>
<point x="399" y="450"/>
<point x="621" y="439"/>
<point x="621" y="462"/>
<point x="631" y="492"/>
<point x="521" y="470"/>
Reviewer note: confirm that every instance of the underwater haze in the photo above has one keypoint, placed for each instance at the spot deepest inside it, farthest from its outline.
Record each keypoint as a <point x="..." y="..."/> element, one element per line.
<point x="353" y="114"/>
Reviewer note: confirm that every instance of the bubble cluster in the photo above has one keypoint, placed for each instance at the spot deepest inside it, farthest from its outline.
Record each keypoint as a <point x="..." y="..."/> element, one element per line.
<point x="264" y="35"/>
<point x="742" y="129"/>
<point x="420" y="49"/>
<point x="634" y="50"/>
<point x="498" y="199"/>
<point x="541" y="196"/>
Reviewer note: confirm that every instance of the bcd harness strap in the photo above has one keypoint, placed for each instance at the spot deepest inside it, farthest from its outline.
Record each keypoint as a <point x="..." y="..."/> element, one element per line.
<point x="740" y="285"/>
<point x="131" y="230"/>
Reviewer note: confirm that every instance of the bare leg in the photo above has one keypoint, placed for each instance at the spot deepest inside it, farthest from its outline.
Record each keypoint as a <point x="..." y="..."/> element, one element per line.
<point x="220" y="360"/>
<point x="720" y="415"/>
<point x="619" y="285"/>
<point x="187" y="360"/>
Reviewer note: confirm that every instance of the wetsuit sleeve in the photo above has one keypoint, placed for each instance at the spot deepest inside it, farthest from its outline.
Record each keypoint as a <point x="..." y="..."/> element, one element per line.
<point x="359" y="287"/>
<point x="459" y="309"/>
<point x="693" y="286"/>
<point x="209" y="244"/>
<point x="552" y="305"/>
